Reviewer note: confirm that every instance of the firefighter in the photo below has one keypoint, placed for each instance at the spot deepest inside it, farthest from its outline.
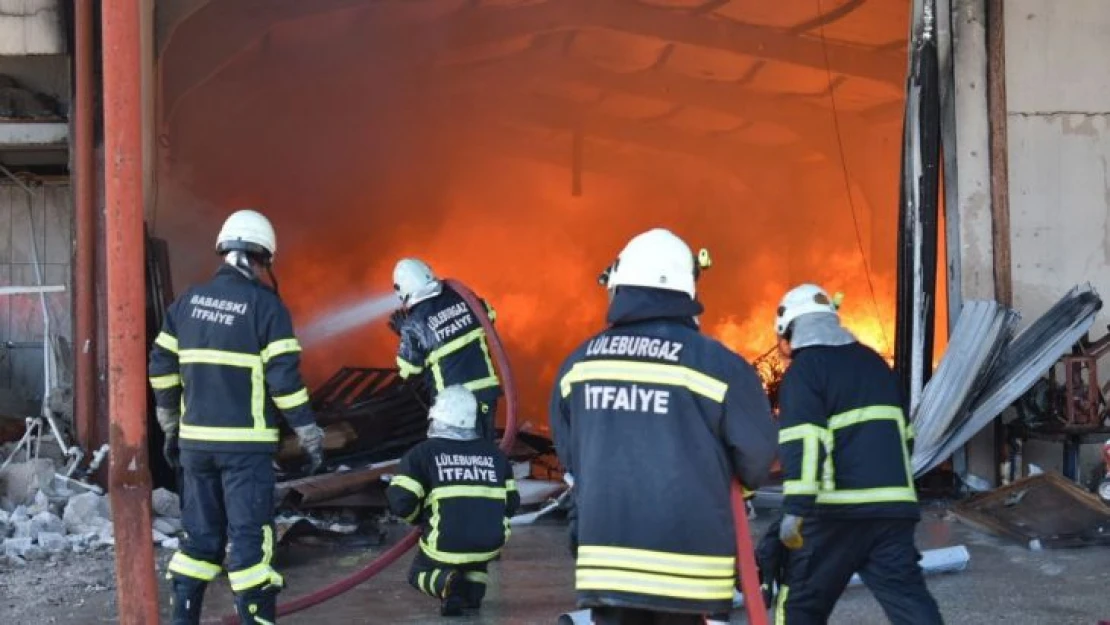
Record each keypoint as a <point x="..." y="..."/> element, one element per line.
<point x="442" y="340"/>
<point x="655" y="420"/>
<point x="224" y="363"/>
<point x="850" y="504"/>
<point x="459" y="488"/>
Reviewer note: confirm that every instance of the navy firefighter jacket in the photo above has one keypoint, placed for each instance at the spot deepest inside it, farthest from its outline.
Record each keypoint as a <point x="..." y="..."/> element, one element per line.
<point x="228" y="358"/>
<point x="655" y="421"/>
<point x="461" y="493"/>
<point x="845" y="443"/>
<point x="442" y="338"/>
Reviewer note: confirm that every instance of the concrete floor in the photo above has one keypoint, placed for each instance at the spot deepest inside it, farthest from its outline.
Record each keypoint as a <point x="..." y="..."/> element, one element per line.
<point x="533" y="584"/>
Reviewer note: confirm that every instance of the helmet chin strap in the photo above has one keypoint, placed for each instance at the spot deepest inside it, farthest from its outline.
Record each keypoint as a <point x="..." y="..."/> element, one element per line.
<point x="241" y="262"/>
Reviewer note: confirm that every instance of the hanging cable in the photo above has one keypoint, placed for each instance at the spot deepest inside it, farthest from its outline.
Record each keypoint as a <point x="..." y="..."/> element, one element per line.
<point x="848" y="179"/>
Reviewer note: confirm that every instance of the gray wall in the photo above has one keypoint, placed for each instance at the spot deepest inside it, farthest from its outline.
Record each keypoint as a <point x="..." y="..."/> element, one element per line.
<point x="46" y="221"/>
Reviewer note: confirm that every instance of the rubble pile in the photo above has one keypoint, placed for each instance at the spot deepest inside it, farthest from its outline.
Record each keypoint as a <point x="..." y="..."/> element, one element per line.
<point x="43" y="516"/>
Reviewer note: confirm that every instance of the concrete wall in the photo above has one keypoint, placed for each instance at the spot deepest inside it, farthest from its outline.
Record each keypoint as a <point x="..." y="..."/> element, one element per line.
<point x="41" y="223"/>
<point x="1058" y="101"/>
<point x="31" y="27"/>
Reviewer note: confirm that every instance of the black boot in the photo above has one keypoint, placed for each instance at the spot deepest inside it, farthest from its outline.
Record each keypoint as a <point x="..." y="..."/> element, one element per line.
<point x="257" y="606"/>
<point x="453" y="602"/>
<point x="188" y="595"/>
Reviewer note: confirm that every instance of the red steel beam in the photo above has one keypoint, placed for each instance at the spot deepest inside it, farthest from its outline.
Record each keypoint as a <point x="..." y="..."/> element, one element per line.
<point x="84" y="271"/>
<point x="129" y="475"/>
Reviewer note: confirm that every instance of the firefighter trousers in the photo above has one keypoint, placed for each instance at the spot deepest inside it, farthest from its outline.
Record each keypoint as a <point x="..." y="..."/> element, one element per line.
<point x="432" y="578"/>
<point x="632" y="616"/>
<point x="882" y="551"/>
<point x="227" y="497"/>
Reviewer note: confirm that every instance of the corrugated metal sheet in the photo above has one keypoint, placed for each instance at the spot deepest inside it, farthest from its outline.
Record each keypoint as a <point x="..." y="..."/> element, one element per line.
<point x="1012" y="373"/>
<point x="31" y="27"/>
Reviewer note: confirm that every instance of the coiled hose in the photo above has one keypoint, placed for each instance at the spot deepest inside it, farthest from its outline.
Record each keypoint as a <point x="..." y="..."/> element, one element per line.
<point x="380" y="563"/>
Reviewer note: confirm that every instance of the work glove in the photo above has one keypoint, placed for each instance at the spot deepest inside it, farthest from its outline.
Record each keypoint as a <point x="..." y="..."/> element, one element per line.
<point x="311" y="438"/>
<point x="396" y="320"/>
<point x="169" y="419"/>
<point x="770" y="557"/>
<point x="790" y="531"/>
<point x="171" y="452"/>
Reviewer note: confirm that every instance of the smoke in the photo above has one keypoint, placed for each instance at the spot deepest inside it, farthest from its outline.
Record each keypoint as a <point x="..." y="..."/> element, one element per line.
<point x="330" y="324"/>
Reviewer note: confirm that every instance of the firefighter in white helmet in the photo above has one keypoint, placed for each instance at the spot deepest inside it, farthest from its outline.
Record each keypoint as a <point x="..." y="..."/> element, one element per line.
<point x="442" y="340"/>
<point x="655" y="420"/>
<point x="225" y="363"/>
<point x="845" y="444"/>
<point x="459" y="488"/>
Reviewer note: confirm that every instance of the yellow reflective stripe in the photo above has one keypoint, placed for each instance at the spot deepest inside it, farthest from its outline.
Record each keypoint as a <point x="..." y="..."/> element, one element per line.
<point x="864" y="415"/>
<point x="650" y="561"/>
<point x="447" y="557"/>
<point x="162" y="382"/>
<point x="228" y="435"/>
<point x="191" y="567"/>
<point x="277" y="348"/>
<point x="292" y="400"/>
<point x="910" y="432"/>
<point x="166" y="341"/>
<point x="260" y="620"/>
<point x="449" y="492"/>
<point x="432" y="583"/>
<point x="510" y="485"/>
<point x="455" y="345"/>
<point x="780" y="607"/>
<point x="219" y="357"/>
<point x="420" y="579"/>
<point x="654" y="585"/>
<point x="477" y="577"/>
<point x="799" y="487"/>
<point x="868" y="495"/>
<point x="409" y="484"/>
<point x="478" y="385"/>
<point x="646" y="373"/>
<point x="260" y="574"/>
<point x="802" y="432"/>
<point x="407" y="368"/>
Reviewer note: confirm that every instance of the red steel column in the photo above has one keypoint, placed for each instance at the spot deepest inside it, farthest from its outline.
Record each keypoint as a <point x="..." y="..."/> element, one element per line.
<point x="129" y="482"/>
<point x="84" y="271"/>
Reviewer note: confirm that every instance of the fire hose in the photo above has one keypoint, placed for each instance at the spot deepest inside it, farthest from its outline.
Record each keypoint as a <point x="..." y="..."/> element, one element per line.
<point x="394" y="553"/>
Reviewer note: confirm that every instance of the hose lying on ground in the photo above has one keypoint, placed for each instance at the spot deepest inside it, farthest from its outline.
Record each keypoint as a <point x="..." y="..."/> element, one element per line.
<point x="380" y="563"/>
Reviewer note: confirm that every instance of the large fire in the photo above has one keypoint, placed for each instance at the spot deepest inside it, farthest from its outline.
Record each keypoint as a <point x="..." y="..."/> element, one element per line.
<point x="364" y="148"/>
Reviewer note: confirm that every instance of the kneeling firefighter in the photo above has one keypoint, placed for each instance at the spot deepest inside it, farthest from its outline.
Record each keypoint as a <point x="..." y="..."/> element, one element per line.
<point x="460" y="488"/>
<point x="443" y="340"/>
<point x="224" y="363"/>
<point x="849" y="499"/>
<point x="655" y="420"/>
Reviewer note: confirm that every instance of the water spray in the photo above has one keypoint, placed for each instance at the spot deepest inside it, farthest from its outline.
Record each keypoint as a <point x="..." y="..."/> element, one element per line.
<point x="347" y="317"/>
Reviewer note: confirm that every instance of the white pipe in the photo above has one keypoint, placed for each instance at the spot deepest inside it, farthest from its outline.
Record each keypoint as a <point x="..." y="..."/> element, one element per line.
<point x="30" y="290"/>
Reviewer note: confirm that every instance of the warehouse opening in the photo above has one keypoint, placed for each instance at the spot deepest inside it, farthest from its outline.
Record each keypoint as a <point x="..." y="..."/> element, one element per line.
<point x="517" y="145"/>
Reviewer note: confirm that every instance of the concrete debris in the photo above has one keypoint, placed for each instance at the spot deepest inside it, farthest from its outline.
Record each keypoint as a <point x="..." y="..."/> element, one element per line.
<point x="40" y="504"/>
<point x="159" y="537"/>
<point x="172" y="544"/>
<point x="167" y="526"/>
<point x="53" y="542"/>
<point x="47" y="522"/>
<point x="166" y="503"/>
<point x="23" y="529"/>
<point x="21" y="547"/>
<point x="20" y="482"/>
<point x="5" y="524"/>
<point x="84" y="511"/>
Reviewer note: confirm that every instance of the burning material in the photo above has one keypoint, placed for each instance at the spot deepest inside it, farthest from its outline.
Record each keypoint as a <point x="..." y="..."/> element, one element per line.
<point x="368" y="415"/>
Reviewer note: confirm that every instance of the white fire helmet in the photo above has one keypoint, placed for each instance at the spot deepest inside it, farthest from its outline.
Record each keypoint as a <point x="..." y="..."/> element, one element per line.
<point x="413" y="281"/>
<point x="455" y="406"/>
<point x="657" y="259"/>
<point x="802" y="300"/>
<point x="247" y="231"/>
